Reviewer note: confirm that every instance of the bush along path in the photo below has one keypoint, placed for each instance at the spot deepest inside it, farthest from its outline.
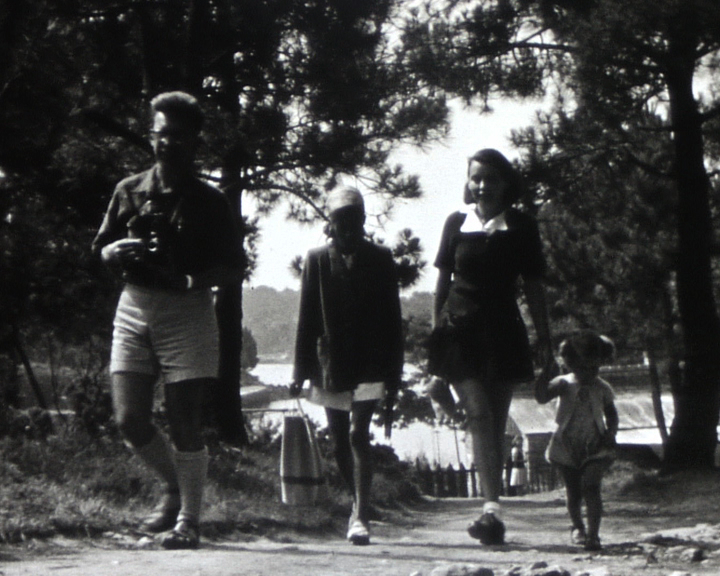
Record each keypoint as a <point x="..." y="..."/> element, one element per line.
<point x="640" y="536"/>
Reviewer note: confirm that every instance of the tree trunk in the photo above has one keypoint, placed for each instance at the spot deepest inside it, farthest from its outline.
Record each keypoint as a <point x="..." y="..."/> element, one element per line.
<point x="656" y="394"/>
<point x="34" y="384"/>
<point x="228" y="308"/>
<point x="227" y="400"/>
<point x="693" y="435"/>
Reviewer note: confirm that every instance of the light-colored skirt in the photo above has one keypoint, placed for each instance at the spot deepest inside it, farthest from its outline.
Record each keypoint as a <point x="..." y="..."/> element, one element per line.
<point x="344" y="400"/>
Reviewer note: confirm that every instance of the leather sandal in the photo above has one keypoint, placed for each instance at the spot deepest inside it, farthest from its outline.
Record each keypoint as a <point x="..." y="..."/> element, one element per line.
<point x="184" y="536"/>
<point x="165" y="514"/>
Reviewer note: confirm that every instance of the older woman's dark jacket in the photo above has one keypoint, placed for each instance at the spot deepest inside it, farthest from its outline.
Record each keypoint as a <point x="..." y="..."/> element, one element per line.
<point x="350" y="327"/>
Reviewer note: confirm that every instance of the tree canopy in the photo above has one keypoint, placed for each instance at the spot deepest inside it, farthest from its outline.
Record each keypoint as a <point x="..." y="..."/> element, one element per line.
<point x="297" y="95"/>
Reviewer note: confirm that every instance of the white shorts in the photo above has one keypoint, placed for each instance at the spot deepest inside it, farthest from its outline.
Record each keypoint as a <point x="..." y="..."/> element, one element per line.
<point x="344" y="400"/>
<point x="162" y="332"/>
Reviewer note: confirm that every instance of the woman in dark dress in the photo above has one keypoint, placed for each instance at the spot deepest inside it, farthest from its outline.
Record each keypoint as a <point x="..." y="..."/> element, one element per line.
<point x="484" y="250"/>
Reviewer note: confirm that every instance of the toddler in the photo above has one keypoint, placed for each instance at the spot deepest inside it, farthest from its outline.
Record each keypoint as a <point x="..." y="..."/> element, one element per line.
<point x="583" y="445"/>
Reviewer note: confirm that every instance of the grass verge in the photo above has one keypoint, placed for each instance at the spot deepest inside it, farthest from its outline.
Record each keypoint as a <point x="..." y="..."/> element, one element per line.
<point x="76" y="485"/>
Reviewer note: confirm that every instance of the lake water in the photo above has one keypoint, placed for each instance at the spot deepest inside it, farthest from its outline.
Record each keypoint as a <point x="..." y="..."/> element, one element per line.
<point x="437" y="444"/>
<point x="273" y="374"/>
<point x="447" y="446"/>
<point x="277" y="374"/>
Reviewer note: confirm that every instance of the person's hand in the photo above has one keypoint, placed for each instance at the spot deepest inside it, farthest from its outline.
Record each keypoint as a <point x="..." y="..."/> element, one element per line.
<point x="549" y="371"/>
<point x="295" y="389"/>
<point x="609" y="440"/>
<point x="551" y="368"/>
<point x="124" y="251"/>
<point x="545" y="355"/>
<point x="441" y="400"/>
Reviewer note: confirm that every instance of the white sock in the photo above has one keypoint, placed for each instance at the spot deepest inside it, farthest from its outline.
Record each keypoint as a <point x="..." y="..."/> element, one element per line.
<point x="493" y="508"/>
<point x="191" y="473"/>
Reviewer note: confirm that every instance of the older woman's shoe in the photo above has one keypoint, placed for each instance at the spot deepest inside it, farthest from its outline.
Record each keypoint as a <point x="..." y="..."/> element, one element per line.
<point x="359" y="533"/>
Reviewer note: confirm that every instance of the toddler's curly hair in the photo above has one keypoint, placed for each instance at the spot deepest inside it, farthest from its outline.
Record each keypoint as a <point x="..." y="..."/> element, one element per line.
<point x="587" y="345"/>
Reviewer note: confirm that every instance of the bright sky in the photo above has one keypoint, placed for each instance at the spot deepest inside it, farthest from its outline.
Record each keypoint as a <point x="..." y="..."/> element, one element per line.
<point x="442" y="176"/>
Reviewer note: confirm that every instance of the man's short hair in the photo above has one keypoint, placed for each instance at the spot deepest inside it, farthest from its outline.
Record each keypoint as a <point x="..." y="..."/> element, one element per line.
<point x="181" y="106"/>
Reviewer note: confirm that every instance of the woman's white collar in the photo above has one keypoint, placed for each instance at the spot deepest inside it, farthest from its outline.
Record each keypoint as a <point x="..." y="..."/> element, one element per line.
<point x="473" y="223"/>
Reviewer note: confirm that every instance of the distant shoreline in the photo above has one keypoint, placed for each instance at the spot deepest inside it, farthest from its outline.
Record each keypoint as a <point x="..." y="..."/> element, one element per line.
<point x="275" y="359"/>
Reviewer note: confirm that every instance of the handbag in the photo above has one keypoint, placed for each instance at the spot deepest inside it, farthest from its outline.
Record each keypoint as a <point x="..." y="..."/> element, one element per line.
<point x="459" y="314"/>
<point x="460" y="309"/>
<point x="302" y="474"/>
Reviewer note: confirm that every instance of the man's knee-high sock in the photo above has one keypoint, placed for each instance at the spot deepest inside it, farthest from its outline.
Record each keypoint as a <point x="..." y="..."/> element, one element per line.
<point x="191" y="473"/>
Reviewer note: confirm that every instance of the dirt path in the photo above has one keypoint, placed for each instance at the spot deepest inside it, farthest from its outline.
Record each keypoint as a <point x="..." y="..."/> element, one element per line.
<point x="537" y="530"/>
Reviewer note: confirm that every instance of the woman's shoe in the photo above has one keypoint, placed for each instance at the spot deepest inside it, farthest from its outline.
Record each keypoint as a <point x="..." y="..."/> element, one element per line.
<point x="592" y="544"/>
<point x="359" y="533"/>
<point x="488" y="529"/>
<point x="185" y="536"/>
<point x="165" y="514"/>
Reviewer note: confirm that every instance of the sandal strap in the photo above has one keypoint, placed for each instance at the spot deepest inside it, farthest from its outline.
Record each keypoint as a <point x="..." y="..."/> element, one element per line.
<point x="185" y="535"/>
<point x="162" y="518"/>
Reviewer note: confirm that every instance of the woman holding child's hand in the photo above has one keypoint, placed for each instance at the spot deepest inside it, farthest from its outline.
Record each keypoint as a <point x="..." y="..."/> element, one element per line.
<point x="480" y="342"/>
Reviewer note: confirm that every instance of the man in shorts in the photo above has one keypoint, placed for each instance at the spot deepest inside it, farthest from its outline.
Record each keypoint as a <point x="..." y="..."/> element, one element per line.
<point x="171" y="238"/>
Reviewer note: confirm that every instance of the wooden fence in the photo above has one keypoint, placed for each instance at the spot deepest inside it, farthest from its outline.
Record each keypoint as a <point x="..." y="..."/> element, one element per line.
<point x="461" y="482"/>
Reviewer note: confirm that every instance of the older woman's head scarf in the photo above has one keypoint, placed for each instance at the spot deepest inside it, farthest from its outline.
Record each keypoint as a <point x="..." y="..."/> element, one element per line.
<point x="344" y="196"/>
